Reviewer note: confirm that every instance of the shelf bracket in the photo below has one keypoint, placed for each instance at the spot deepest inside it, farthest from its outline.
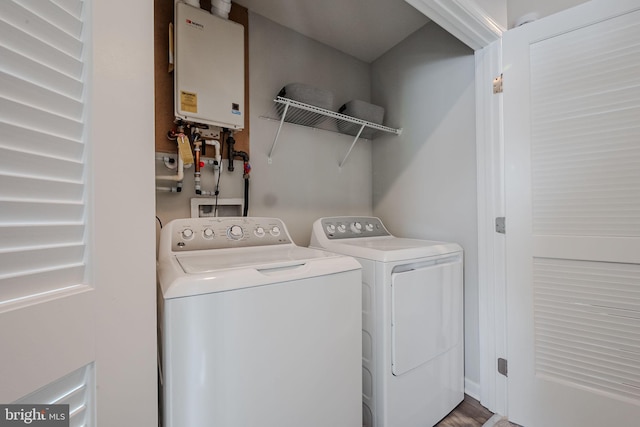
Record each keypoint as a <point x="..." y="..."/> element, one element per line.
<point x="275" y="140"/>
<point x="352" y="145"/>
<point x="298" y="107"/>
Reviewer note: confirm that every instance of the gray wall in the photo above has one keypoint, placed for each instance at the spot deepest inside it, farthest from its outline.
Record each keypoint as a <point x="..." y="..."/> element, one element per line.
<point x="424" y="181"/>
<point x="304" y="181"/>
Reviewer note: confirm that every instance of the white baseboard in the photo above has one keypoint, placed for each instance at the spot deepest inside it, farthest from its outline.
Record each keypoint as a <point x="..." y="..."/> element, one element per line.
<point x="472" y="389"/>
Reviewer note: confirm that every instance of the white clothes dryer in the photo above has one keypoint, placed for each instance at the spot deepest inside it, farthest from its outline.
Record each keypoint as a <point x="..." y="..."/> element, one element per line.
<point x="254" y="330"/>
<point x="412" y="336"/>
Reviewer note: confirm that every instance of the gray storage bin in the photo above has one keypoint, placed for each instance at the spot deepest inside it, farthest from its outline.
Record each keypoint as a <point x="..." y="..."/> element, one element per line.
<point x="306" y="94"/>
<point x="361" y="110"/>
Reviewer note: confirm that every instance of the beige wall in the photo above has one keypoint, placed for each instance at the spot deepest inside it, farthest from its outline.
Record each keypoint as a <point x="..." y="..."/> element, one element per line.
<point x="519" y="8"/>
<point x="497" y="9"/>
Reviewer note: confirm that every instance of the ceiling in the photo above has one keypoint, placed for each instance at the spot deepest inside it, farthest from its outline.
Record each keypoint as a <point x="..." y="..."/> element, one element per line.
<point x="364" y="29"/>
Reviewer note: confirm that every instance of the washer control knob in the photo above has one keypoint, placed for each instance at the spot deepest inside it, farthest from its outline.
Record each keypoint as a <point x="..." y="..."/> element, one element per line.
<point x="208" y="233"/>
<point x="356" y="227"/>
<point x="342" y="228"/>
<point x="259" y="232"/>
<point x="275" y="231"/>
<point x="187" y="233"/>
<point x="235" y="232"/>
<point x="369" y="227"/>
<point x="331" y="228"/>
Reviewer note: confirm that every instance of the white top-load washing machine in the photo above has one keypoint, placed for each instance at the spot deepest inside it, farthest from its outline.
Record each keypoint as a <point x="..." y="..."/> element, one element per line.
<point x="256" y="331"/>
<point x="413" y="358"/>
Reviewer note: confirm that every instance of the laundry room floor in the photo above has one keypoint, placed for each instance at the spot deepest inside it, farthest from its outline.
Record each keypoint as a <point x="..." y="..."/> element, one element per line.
<point x="469" y="413"/>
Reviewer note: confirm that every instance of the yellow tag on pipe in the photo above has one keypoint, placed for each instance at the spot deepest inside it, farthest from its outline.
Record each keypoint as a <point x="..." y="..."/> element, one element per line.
<point x="184" y="149"/>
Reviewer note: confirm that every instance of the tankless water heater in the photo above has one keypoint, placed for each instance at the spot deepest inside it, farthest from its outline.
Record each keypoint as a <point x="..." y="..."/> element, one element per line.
<point x="209" y="68"/>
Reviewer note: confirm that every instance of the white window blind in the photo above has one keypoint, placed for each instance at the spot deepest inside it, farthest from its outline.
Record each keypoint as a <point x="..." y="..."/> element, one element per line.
<point x="42" y="154"/>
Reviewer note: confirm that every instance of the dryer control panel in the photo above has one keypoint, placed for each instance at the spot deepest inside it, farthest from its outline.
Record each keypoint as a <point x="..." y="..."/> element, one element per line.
<point x="349" y="227"/>
<point x="192" y="234"/>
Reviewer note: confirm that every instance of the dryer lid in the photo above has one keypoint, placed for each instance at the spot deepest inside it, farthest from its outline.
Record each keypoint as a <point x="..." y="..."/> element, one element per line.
<point x="390" y="248"/>
<point x="366" y="237"/>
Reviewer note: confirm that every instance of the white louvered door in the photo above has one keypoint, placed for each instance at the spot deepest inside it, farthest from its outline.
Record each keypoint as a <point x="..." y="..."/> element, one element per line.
<point x="46" y="305"/>
<point x="77" y="259"/>
<point x="572" y="147"/>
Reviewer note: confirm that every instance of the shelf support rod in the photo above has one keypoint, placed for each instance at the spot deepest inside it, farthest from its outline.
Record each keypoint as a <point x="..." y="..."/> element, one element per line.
<point x="273" y="145"/>
<point x="352" y="145"/>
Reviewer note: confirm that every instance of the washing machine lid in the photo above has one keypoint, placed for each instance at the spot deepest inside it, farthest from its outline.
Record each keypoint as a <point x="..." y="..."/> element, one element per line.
<point x="221" y="270"/>
<point x="260" y="258"/>
<point x="390" y="248"/>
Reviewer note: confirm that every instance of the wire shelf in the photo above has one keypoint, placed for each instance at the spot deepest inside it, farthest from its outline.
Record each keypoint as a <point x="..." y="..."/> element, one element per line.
<point x="291" y="111"/>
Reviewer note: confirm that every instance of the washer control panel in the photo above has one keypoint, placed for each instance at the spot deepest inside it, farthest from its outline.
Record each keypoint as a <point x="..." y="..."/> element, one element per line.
<point x="192" y="234"/>
<point x="349" y="227"/>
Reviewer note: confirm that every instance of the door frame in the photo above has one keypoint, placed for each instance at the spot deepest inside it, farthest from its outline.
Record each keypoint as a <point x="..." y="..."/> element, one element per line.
<point x="121" y="213"/>
<point x="492" y="286"/>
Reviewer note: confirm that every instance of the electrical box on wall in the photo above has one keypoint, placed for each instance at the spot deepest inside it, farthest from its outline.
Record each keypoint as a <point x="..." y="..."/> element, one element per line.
<point x="209" y="68"/>
<point x="212" y="207"/>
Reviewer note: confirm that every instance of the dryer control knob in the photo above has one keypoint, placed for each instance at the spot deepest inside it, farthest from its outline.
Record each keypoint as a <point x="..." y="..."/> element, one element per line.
<point x="342" y="228"/>
<point x="187" y="233"/>
<point x="259" y="232"/>
<point x="356" y="227"/>
<point x="275" y="231"/>
<point x="207" y="233"/>
<point x="331" y="228"/>
<point x="235" y="232"/>
<point x="369" y="227"/>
